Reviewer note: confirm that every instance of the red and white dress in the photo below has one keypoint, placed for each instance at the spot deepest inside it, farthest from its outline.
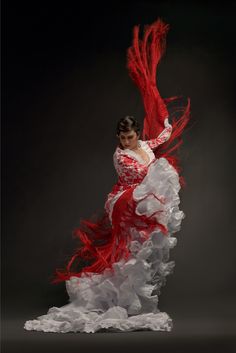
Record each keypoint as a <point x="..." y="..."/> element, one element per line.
<point x="129" y="246"/>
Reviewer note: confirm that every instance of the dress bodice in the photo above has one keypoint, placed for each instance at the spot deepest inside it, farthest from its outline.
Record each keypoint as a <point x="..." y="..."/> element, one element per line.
<point x="130" y="166"/>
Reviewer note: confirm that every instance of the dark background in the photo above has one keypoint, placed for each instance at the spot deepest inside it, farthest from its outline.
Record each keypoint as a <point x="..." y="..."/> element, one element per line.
<point x="65" y="85"/>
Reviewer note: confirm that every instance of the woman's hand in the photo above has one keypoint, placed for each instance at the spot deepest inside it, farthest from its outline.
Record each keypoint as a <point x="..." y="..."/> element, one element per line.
<point x="166" y="123"/>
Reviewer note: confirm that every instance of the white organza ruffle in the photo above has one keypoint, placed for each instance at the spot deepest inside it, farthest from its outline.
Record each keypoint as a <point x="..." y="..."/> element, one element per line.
<point x="127" y="298"/>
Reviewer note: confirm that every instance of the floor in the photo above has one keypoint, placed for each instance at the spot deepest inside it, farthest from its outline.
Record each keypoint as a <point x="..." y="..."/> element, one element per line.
<point x="188" y="335"/>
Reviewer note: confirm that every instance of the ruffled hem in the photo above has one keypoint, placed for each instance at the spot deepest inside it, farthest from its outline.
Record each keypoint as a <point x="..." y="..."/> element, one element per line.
<point x="114" y="319"/>
<point x="126" y="297"/>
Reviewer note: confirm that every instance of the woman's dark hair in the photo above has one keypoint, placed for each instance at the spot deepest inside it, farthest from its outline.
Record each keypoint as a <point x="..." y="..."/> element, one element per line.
<point x="126" y="124"/>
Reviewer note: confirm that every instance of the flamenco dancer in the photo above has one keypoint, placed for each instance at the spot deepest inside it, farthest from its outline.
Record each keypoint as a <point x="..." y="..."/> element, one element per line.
<point x="126" y="249"/>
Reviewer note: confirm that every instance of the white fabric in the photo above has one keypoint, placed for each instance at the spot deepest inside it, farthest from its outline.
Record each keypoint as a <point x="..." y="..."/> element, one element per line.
<point x="127" y="298"/>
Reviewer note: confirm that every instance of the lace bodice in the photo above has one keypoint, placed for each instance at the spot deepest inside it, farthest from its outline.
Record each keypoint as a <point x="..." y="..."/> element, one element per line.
<point x="130" y="166"/>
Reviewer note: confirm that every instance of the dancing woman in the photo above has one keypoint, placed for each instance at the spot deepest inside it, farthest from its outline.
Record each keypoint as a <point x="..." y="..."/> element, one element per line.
<point x="126" y="250"/>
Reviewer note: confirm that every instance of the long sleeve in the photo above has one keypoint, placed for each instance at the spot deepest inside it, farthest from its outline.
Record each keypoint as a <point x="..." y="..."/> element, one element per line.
<point x="163" y="137"/>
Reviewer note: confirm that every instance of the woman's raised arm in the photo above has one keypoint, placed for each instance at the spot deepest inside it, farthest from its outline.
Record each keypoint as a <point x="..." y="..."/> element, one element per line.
<point x="163" y="137"/>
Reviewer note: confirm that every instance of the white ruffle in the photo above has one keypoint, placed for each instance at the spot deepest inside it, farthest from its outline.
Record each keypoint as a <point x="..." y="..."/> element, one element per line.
<point x="126" y="298"/>
<point x="161" y="186"/>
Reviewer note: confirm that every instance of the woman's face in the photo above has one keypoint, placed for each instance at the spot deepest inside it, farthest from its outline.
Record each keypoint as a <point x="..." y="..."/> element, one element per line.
<point x="129" y="139"/>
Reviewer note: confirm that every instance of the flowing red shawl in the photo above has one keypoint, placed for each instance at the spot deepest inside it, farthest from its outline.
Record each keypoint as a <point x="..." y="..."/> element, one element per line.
<point x="103" y="242"/>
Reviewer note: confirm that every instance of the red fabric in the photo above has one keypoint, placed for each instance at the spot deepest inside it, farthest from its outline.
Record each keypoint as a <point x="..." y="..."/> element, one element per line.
<point x="143" y="58"/>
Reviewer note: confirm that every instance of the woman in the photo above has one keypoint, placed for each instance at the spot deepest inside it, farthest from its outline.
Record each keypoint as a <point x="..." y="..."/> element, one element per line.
<point x="127" y="248"/>
<point x="133" y="156"/>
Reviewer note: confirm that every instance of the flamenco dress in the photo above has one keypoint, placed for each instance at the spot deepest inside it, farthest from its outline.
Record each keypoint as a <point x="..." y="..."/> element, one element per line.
<point x="127" y="248"/>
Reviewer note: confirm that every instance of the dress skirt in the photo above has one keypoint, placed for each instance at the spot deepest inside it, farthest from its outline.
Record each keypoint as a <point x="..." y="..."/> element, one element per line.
<point x="126" y="298"/>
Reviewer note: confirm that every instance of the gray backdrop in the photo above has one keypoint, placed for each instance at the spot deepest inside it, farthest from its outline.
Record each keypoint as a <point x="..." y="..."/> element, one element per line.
<point x="65" y="85"/>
